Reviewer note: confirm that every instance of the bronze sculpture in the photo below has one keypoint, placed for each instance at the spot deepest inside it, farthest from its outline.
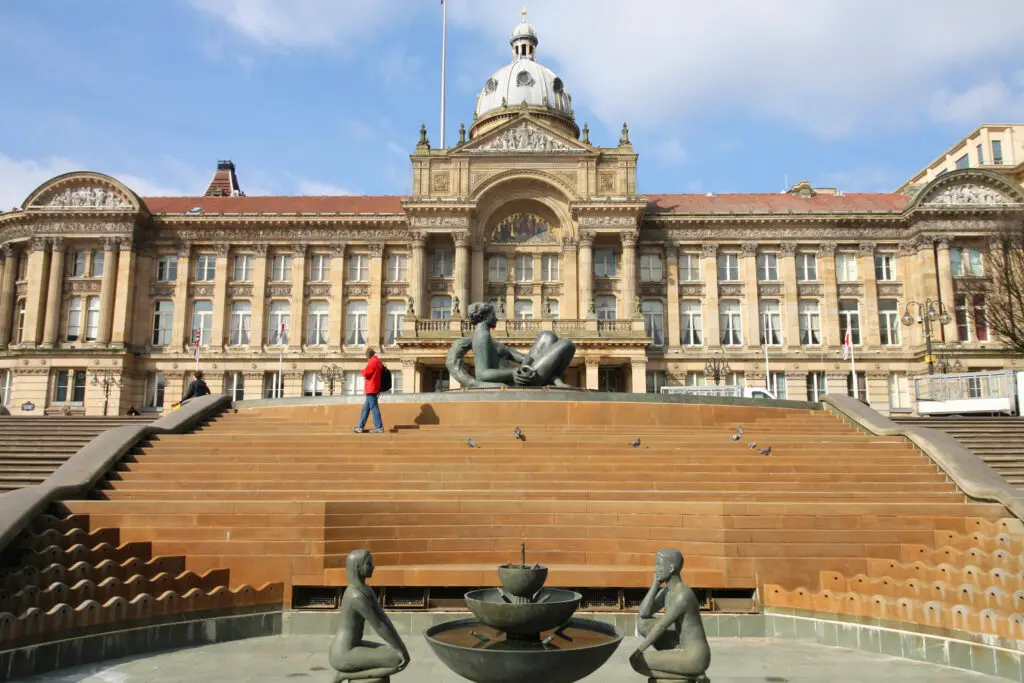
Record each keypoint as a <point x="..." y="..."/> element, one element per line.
<point x="681" y="647"/>
<point x="352" y="657"/>
<point x="543" y="365"/>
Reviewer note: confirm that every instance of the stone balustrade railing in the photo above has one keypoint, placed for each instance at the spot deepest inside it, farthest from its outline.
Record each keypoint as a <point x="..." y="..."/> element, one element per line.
<point x="414" y="329"/>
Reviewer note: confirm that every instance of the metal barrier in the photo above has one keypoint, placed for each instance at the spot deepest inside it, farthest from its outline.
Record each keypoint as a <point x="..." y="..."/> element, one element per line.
<point x="967" y="392"/>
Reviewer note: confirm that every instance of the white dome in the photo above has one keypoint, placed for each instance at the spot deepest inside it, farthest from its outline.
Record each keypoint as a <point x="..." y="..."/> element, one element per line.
<point x="524" y="30"/>
<point x="524" y="80"/>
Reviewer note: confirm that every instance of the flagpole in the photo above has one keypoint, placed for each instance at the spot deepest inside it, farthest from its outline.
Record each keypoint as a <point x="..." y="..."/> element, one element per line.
<point x="767" y="370"/>
<point x="444" y="61"/>
<point x="280" y="366"/>
<point x="853" y="363"/>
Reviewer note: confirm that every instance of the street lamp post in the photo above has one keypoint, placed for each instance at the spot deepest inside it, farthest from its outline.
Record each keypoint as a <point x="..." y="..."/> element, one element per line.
<point x="331" y="374"/>
<point x="107" y="379"/>
<point x="716" y="367"/>
<point x="926" y="315"/>
<point x="946" y="364"/>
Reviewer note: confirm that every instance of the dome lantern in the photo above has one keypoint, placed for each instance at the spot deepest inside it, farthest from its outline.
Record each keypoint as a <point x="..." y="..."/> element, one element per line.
<point x="524" y="41"/>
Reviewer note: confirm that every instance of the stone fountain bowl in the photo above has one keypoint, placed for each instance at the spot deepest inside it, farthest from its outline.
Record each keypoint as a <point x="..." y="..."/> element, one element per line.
<point x="521" y="661"/>
<point x="522" y="581"/>
<point x="523" y="618"/>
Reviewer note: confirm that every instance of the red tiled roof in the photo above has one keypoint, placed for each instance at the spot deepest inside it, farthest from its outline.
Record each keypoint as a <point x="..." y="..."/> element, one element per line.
<point x="271" y="205"/>
<point x="778" y="203"/>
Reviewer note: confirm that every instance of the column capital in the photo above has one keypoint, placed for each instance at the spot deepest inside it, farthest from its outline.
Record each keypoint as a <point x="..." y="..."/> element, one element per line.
<point x="787" y="249"/>
<point x="570" y="244"/>
<point x="6" y="252"/>
<point x="58" y="245"/>
<point x="587" y="238"/>
<point x="338" y="249"/>
<point x="376" y="249"/>
<point x="261" y="249"/>
<point x="709" y="249"/>
<point x="222" y="249"/>
<point x="749" y="248"/>
<point x="112" y="244"/>
<point x="127" y="243"/>
<point x="942" y="242"/>
<point x="184" y="249"/>
<point x="592" y="362"/>
<point x="419" y="238"/>
<point x="827" y="249"/>
<point x="866" y="248"/>
<point x="38" y="244"/>
<point x="638" y="362"/>
<point x="461" y="238"/>
<point x="299" y="250"/>
<point x="628" y="238"/>
<point x="408" y="364"/>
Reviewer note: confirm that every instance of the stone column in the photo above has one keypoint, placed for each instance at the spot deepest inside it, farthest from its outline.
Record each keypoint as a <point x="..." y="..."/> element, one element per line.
<point x="35" y="300"/>
<point x="877" y="385"/>
<point x="593" y="364"/>
<point x="906" y="266"/>
<point x="570" y="306"/>
<point x="259" y="304"/>
<point x="336" y="319"/>
<point x="791" y="300"/>
<point x="927" y="280"/>
<point x="946" y="291"/>
<point x="638" y="375"/>
<point x="54" y="296"/>
<point x="835" y="381"/>
<point x="628" y="238"/>
<point x="125" y="299"/>
<point x="709" y="256"/>
<point x="417" y="274"/>
<point x="182" y="331"/>
<point x="827" y="275"/>
<point x="796" y="385"/>
<point x="111" y="248"/>
<point x="298" y="300"/>
<point x="374" y="337"/>
<point x="672" y="333"/>
<point x="476" y="279"/>
<point x="221" y="306"/>
<point x="7" y="292"/>
<point x="461" y="271"/>
<point x="585" y="275"/>
<point x="866" y="270"/>
<point x="751" y="313"/>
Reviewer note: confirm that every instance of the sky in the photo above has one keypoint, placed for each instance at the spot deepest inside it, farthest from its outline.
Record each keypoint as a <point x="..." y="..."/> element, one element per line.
<point x="327" y="96"/>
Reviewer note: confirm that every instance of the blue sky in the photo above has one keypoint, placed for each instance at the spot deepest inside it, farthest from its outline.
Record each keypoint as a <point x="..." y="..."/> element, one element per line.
<point x="326" y="96"/>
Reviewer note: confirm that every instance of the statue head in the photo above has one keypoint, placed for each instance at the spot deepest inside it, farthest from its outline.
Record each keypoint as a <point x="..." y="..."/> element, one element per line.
<point x="483" y="313"/>
<point x="359" y="566"/>
<point x="668" y="562"/>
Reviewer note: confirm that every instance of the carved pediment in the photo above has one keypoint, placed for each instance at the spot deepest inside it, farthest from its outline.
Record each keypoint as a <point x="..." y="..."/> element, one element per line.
<point x="523" y="136"/>
<point x="83" y="191"/>
<point x="967" y="194"/>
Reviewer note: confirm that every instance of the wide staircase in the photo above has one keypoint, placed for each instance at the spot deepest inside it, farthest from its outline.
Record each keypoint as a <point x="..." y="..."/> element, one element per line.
<point x="999" y="441"/>
<point x="31" y="448"/>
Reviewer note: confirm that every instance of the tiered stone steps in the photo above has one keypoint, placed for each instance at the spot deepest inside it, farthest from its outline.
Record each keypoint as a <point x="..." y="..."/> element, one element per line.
<point x="31" y="448"/>
<point x="999" y="441"/>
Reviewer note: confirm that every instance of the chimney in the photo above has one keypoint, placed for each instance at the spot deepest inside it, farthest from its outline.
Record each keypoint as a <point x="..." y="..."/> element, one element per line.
<point x="224" y="182"/>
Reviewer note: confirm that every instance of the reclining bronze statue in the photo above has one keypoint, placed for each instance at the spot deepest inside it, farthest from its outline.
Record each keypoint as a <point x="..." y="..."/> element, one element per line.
<point x="542" y="366"/>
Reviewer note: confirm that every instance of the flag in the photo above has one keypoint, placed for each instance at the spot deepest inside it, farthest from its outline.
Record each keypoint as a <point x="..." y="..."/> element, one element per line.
<point x="848" y="343"/>
<point x="281" y="335"/>
<point x="197" y="338"/>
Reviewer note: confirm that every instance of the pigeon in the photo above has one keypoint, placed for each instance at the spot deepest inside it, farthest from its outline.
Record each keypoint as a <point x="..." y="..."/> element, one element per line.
<point x="471" y="443"/>
<point x="753" y="445"/>
<point x="519" y="434"/>
<point x="739" y="430"/>
<point x="767" y="450"/>
<point x="636" y="444"/>
<point x="735" y="437"/>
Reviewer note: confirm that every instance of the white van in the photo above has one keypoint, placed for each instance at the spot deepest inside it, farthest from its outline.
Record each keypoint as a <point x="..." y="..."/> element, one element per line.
<point x="727" y="390"/>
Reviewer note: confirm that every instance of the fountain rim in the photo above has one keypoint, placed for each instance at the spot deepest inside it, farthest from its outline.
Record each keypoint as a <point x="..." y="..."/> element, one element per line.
<point x="429" y="633"/>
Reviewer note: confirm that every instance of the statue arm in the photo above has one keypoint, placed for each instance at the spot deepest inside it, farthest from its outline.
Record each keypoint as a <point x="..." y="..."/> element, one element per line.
<point x="672" y="614"/>
<point x="512" y="353"/>
<point x="653" y="602"/>
<point x="374" y="615"/>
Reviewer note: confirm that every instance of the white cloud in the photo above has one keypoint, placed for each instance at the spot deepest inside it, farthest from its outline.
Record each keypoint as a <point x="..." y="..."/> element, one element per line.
<point x="19" y="177"/>
<point x="671" y="152"/>
<point x="314" y="187"/>
<point x="986" y="102"/>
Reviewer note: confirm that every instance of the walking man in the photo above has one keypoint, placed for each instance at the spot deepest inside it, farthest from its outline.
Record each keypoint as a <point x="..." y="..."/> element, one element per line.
<point x="372" y="374"/>
<point x="196" y="388"/>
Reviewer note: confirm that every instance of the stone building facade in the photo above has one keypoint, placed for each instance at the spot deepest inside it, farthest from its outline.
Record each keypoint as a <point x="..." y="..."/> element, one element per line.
<point x="104" y="294"/>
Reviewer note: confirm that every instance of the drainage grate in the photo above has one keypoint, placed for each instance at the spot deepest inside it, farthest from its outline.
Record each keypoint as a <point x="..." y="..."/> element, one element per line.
<point x="447" y="598"/>
<point x="405" y="597"/>
<point x="600" y="599"/>
<point x="632" y="597"/>
<point x="316" y="597"/>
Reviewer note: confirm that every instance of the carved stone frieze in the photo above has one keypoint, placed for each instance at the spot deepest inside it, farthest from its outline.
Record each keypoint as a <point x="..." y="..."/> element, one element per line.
<point x="691" y="289"/>
<point x="524" y="137"/>
<point x="442" y="285"/>
<point x="240" y="291"/>
<point x="436" y="222"/>
<point x="477" y="177"/>
<point x="161" y="290"/>
<point x="851" y="289"/>
<point x="606" y="181"/>
<point x="770" y="233"/>
<point x="598" y="221"/>
<point x="771" y="289"/>
<point x="730" y="289"/>
<point x="523" y="289"/>
<point x="652" y="288"/>
<point x="357" y="289"/>
<point x="292" y="235"/>
<point x="604" y="284"/>
<point x="549" y="289"/>
<point x="318" y="290"/>
<point x="86" y="198"/>
<point x="202" y="289"/>
<point x="890" y="289"/>
<point x="804" y="289"/>
<point x="440" y="181"/>
<point x="279" y="291"/>
<point x="567" y="177"/>
<point x="396" y="290"/>
<point x="968" y="193"/>
<point x="495" y="289"/>
<point x="86" y="286"/>
<point x="98" y="228"/>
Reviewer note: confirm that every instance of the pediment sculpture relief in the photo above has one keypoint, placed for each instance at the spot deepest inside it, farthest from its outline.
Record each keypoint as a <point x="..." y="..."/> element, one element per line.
<point x="525" y="138"/>
<point x="968" y="194"/>
<point x="522" y="228"/>
<point x="87" y="198"/>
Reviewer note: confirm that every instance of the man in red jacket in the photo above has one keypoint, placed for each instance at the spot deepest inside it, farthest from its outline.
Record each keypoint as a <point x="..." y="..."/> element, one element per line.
<point x="372" y="373"/>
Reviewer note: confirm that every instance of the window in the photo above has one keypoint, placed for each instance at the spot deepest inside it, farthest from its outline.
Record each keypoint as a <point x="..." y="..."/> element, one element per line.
<point x="523" y="309"/>
<point x="549" y="267"/>
<point x="963" y="325"/>
<point x="312" y="384"/>
<point x="234" y="386"/>
<point x="654" y="320"/>
<point x="92" y="318"/>
<point x="980" y="318"/>
<point x="861" y="390"/>
<point x="163" y="323"/>
<point x="279" y="323"/>
<point x="735" y="379"/>
<point x="889" y="321"/>
<point x="356" y="323"/>
<point x="355" y="383"/>
<point x="96" y="264"/>
<point x="963" y="162"/>
<point x="728" y="267"/>
<point x="316" y="323"/>
<point x="241" y="323"/>
<point x="441" y="263"/>
<point x="440" y="307"/>
<point x="273" y="385"/>
<point x="281" y="268"/>
<point x="319" y="267"/>
<point x="19" y="321"/>
<point x="69" y="387"/>
<point x="806" y="267"/>
<point x="206" y="268"/>
<point x="730" y="321"/>
<point x="689" y="267"/>
<point x="394" y="316"/>
<point x="849" y="316"/>
<point x="656" y="379"/>
<point x="604" y="263"/>
<point x="167" y="268"/>
<point x="497" y="269"/>
<point x="6" y="381"/>
<point x="885" y="267"/>
<point x="359" y="267"/>
<point x="551" y="309"/>
<point x="846" y="267"/>
<point x="398" y="268"/>
<point x="767" y="267"/>
<point x="524" y="268"/>
<point x="605" y="307"/>
<point x="777" y="385"/>
<point x="981" y="155"/>
<point x="899" y="396"/>
<point x="76" y="264"/>
<point x="810" y="323"/>
<point x="74" y="318"/>
<point x="156" y="383"/>
<point x="816" y="386"/>
<point x="202" y="322"/>
<point x="695" y="379"/>
<point x="243" y="268"/>
<point x="997" y="152"/>
<point x="690" y="323"/>
<point x="396" y="382"/>
<point x="651" y="269"/>
<point x="965" y="262"/>
<point x="771" y="323"/>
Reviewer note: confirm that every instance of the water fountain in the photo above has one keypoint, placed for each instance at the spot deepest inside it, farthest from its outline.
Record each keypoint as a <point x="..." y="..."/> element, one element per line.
<point x="523" y="632"/>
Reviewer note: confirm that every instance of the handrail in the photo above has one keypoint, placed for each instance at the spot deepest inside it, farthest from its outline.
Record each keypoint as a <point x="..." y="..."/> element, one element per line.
<point x="92" y="461"/>
<point x="970" y="473"/>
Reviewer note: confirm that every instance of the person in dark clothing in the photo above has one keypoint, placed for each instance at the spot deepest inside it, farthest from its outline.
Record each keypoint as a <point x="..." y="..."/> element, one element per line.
<point x="372" y="374"/>
<point x="196" y="388"/>
<point x="132" y="412"/>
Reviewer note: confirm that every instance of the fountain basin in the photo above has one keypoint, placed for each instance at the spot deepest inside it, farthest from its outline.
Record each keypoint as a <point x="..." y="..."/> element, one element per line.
<point x="554" y="607"/>
<point x="522" y="581"/>
<point x="587" y="645"/>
